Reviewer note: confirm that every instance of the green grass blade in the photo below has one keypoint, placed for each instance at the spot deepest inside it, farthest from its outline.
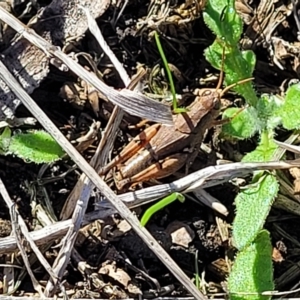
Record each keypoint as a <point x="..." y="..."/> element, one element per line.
<point x="169" y="74"/>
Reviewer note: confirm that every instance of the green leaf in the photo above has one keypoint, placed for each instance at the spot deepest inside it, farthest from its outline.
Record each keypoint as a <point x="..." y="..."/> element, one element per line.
<point x="241" y="66"/>
<point x="264" y="151"/>
<point x="5" y="140"/>
<point x="253" y="206"/>
<point x="267" y="108"/>
<point x="220" y="16"/>
<point x="252" y="271"/>
<point x="252" y="120"/>
<point x="37" y="146"/>
<point x="244" y="124"/>
<point x="237" y="66"/>
<point x="290" y="110"/>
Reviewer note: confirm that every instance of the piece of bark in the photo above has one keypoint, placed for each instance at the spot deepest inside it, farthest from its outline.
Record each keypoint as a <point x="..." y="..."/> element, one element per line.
<point x="59" y="23"/>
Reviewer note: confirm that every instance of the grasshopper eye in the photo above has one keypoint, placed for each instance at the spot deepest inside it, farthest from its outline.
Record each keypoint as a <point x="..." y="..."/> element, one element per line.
<point x="205" y="93"/>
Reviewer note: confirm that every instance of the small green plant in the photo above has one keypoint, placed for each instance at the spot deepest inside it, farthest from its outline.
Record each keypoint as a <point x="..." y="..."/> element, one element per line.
<point x="35" y="146"/>
<point x="252" y="272"/>
<point x="160" y="205"/>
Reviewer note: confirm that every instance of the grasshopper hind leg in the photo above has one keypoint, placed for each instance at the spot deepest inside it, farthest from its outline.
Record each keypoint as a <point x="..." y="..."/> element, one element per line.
<point x="161" y="169"/>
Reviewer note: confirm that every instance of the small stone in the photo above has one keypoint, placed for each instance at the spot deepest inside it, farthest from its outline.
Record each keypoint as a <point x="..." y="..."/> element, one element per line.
<point x="181" y="233"/>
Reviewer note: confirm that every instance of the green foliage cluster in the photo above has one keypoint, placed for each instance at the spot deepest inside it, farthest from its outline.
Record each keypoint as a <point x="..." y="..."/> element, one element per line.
<point x="252" y="273"/>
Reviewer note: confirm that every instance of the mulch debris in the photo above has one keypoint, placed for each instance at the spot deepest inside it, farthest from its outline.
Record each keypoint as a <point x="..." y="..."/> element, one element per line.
<point x="110" y="260"/>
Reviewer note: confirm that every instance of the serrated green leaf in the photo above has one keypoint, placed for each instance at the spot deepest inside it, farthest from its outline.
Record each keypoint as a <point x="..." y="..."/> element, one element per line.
<point x="290" y="110"/>
<point x="267" y="108"/>
<point x="237" y="66"/>
<point x="252" y="271"/>
<point x="5" y="140"/>
<point x="250" y="58"/>
<point x="253" y="206"/>
<point x="220" y="16"/>
<point x="263" y="152"/>
<point x="243" y="125"/>
<point x="37" y="146"/>
<point x="241" y="66"/>
<point x="213" y="55"/>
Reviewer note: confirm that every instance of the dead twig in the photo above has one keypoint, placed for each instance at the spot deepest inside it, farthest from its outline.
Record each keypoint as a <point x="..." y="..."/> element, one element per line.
<point x="132" y="102"/>
<point x="106" y="143"/>
<point x="17" y="230"/>
<point x="60" y="23"/>
<point x="51" y="232"/>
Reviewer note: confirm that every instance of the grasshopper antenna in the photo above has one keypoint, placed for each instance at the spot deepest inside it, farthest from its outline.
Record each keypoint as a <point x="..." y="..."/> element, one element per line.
<point x="235" y="84"/>
<point x="225" y="90"/>
<point x="220" y="82"/>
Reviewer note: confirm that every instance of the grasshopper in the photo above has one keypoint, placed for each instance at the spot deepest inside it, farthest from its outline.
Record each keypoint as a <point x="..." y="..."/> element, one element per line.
<point x="158" y="149"/>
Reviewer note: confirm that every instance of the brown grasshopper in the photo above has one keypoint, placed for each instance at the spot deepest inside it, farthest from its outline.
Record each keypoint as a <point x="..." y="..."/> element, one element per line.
<point x="158" y="148"/>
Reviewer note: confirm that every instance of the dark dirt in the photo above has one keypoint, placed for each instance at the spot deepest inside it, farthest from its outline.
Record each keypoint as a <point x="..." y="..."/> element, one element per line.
<point x="184" y="46"/>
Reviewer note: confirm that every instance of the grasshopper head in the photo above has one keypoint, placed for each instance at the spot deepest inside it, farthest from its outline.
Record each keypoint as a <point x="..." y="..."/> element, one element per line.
<point x="209" y="98"/>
